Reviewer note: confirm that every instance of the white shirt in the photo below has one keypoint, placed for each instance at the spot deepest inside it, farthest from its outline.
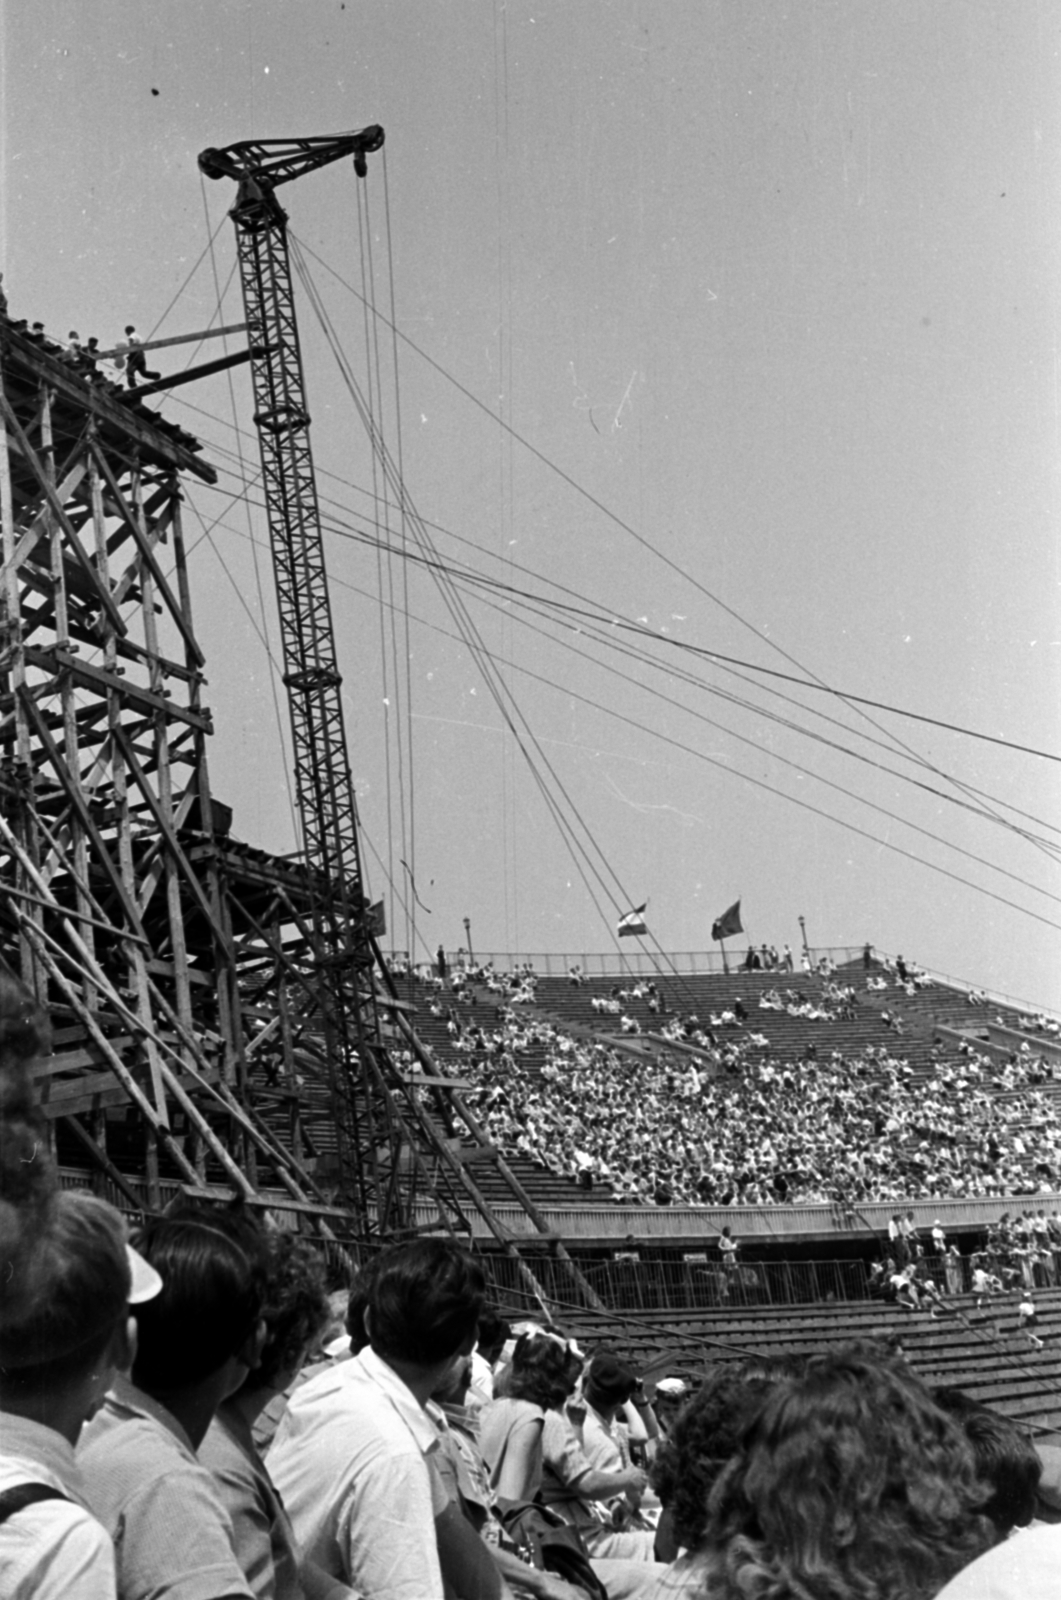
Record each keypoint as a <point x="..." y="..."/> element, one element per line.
<point x="351" y="1462"/>
<point x="1024" y="1567"/>
<point x="52" y="1550"/>
<point x="607" y="1444"/>
<point x="481" y="1388"/>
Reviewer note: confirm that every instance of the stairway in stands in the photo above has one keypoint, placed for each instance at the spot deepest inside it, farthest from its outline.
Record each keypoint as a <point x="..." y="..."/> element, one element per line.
<point x="959" y="1349"/>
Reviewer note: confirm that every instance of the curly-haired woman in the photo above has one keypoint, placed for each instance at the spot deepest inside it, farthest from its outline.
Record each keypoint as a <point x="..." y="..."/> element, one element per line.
<point x="849" y="1483"/>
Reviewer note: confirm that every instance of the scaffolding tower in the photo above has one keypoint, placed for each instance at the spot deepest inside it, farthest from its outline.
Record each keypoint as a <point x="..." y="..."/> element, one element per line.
<point x="197" y="990"/>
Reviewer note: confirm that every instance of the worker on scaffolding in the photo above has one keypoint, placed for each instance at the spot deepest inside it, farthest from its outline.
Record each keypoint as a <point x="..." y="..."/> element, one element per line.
<point x="136" y="361"/>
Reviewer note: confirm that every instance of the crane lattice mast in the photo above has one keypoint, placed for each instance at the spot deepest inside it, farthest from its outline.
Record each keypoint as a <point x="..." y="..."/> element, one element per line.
<point x="390" y="1146"/>
<point x="323" y="783"/>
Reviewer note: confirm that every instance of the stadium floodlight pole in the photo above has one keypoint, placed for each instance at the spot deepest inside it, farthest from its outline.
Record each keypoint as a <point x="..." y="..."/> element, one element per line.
<point x="324" y="787"/>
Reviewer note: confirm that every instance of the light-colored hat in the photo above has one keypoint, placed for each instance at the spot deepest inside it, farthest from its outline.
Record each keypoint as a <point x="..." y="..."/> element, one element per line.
<point x="145" y="1282"/>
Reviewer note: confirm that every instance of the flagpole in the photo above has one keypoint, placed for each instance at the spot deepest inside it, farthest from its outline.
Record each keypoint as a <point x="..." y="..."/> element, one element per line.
<point x="725" y="964"/>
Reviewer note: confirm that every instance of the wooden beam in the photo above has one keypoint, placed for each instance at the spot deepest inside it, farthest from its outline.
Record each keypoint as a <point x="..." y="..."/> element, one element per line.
<point x="79" y="916"/>
<point x="35" y="532"/>
<point x="75" y="1060"/>
<point x="424" y="1080"/>
<point x="178" y="338"/>
<point x="147" y="555"/>
<point x="102" y="1160"/>
<point x="271" y="1202"/>
<point x="90" y="1091"/>
<point x="162" y="822"/>
<point x="85" y="817"/>
<point x="54" y="660"/>
<point x="190" y="375"/>
<point x="88" y="570"/>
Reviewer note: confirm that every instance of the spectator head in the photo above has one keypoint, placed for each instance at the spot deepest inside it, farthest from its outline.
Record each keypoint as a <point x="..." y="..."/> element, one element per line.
<point x="356" y="1307"/>
<point x="295" y="1311"/>
<point x="671" y="1395"/>
<point x="849" y="1481"/>
<point x="609" y="1381"/>
<point x="544" y="1370"/>
<point x="335" y="1327"/>
<point x="452" y="1388"/>
<point x="702" y="1437"/>
<point x="493" y="1333"/>
<point x="213" y="1262"/>
<point x="65" y="1309"/>
<point x="1006" y="1459"/>
<point x="423" y="1302"/>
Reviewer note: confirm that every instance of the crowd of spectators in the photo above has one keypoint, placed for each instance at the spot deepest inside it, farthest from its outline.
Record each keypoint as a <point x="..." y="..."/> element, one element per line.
<point x="728" y="1123"/>
<point x="708" y="1115"/>
<point x="178" y="1419"/>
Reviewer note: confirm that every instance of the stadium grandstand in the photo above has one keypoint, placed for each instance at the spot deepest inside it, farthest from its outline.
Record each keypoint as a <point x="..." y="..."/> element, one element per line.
<point x="806" y="1113"/>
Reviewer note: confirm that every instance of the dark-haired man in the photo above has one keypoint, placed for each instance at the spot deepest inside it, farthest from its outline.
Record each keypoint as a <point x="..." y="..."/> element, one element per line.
<point x="296" y="1312"/>
<point x="580" y="1474"/>
<point x="1006" y="1459"/>
<point x="196" y="1343"/>
<point x="353" y="1455"/>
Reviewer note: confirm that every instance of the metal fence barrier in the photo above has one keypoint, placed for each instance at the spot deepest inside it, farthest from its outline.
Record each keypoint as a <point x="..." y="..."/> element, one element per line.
<point x="696" y="1280"/>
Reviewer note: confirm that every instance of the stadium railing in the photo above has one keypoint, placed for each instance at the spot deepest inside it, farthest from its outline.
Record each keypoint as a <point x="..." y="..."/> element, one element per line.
<point x="615" y="1224"/>
<point x="617" y="964"/>
<point x="698" y="1281"/>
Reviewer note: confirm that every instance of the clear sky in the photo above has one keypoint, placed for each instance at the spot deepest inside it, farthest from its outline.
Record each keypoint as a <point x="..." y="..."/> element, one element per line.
<point x="767" y="294"/>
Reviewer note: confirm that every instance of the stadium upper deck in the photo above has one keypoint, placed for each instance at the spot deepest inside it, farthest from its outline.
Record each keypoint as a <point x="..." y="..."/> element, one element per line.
<point x="785" y="1104"/>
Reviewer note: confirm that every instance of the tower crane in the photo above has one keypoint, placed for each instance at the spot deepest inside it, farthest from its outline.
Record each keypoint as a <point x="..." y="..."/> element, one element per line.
<point x="323" y="784"/>
<point x="387" y="1142"/>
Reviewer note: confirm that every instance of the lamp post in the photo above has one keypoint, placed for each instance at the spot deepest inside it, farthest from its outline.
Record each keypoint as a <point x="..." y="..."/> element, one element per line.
<point x="468" y="936"/>
<point x="803" y="933"/>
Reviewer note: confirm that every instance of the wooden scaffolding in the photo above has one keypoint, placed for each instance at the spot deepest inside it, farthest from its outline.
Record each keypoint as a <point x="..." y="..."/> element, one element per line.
<point x="178" y="964"/>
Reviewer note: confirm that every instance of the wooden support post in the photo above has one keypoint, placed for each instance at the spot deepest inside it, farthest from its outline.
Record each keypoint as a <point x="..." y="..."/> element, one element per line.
<point x="99" y="1156"/>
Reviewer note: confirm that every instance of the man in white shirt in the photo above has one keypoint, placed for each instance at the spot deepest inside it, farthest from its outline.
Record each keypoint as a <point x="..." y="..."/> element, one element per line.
<point x="353" y="1455"/>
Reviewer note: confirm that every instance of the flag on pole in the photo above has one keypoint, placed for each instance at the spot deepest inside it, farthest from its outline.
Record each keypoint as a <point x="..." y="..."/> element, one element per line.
<point x="729" y="923"/>
<point x="632" y="922"/>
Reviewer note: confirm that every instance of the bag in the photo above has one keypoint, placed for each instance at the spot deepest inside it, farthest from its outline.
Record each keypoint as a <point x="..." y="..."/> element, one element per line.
<point x="552" y="1544"/>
